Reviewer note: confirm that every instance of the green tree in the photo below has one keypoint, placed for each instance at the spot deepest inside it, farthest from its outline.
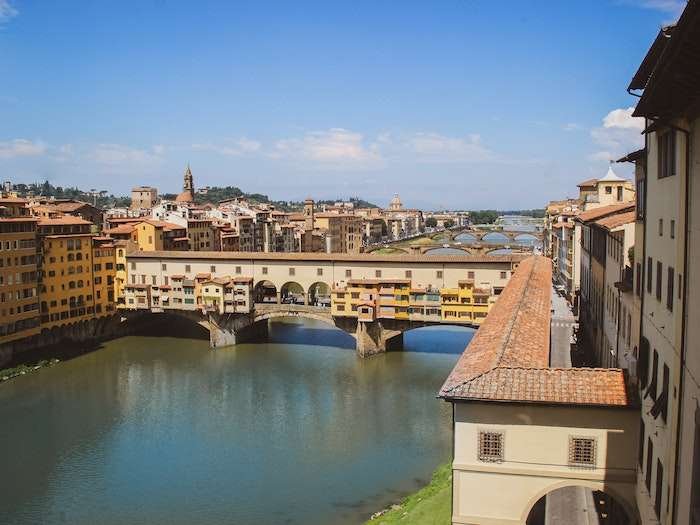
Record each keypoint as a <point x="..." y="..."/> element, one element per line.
<point x="431" y="222"/>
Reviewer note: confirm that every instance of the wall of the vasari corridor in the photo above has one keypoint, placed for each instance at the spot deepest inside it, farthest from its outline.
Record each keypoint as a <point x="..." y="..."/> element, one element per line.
<point x="279" y="269"/>
<point x="535" y="448"/>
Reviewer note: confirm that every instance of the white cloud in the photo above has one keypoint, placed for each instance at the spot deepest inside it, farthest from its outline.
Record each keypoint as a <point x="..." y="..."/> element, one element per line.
<point x="571" y="126"/>
<point x="7" y="11"/>
<point x="21" y="148"/>
<point x="619" y="134"/>
<point x="233" y="148"/>
<point x="336" y="146"/>
<point x="118" y="154"/>
<point x="441" y="148"/>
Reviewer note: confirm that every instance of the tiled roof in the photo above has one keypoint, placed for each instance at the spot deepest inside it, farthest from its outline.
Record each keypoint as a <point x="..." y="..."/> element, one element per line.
<point x="619" y="219"/>
<point x="589" y="182"/>
<point x="603" y="211"/>
<point x="508" y="358"/>
<point x="63" y="220"/>
<point x="336" y="257"/>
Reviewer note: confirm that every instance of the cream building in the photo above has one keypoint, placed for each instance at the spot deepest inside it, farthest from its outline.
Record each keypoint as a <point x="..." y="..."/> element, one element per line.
<point x="668" y="488"/>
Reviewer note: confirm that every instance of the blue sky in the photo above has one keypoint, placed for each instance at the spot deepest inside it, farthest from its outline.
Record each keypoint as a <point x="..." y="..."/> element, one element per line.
<point x="450" y="103"/>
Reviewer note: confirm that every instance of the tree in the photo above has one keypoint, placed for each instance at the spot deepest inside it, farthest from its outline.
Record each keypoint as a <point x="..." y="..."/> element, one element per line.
<point x="431" y="222"/>
<point x="449" y="223"/>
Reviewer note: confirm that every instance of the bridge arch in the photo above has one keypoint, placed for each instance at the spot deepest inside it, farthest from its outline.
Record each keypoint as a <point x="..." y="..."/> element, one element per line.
<point x="495" y="238"/>
<point x="265" y="292"/>
<point x="619" y="509"/>
<point x="526" y="238"/>
<point x="292" y="292"/>
<point x="449" y="250"/>
<point x="500" y="251"/>
<point x="319" y="294"/>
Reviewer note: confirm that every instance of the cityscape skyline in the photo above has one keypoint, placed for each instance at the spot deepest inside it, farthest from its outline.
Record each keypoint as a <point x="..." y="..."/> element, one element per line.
<point x="400" y="114"/>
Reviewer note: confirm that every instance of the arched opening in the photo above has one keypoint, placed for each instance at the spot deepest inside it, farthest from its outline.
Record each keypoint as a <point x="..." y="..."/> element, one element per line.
<point x="447" y="251"/>
<point x="292" y="293"/>
<point x="320" y="295"/>
<point x="501" y="251"/>
<point x="438" y="339"/>
<point x="265" y="292"/>
<point x="466" y="238"/>
<point x="526" y="238"/>
<point x="579" y="504"/>
<point x="385" y="250"/>
<point x="495" y="238"/>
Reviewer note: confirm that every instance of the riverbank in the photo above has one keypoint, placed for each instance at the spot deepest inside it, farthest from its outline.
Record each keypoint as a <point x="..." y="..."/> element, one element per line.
<point x="431" y="505"/>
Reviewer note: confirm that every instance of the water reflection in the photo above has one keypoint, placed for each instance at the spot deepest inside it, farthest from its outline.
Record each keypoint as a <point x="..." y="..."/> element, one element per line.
<point x="295" y="429"/>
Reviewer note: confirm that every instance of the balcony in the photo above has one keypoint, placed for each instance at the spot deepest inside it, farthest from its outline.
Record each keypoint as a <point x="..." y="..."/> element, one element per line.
<point x="626" y="284"/>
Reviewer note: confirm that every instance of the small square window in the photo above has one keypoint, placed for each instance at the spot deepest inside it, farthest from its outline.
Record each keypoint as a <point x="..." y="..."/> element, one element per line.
<point x="438" y="274"/>
<point x="212" y="269"/>
<point x="504" y="275"/>
<point x="238" y="270"/>
<point x="408" y="274"/>
<point x="291" y="271"/>
<point x="490" y="446"/>
<point x="188" y="268"/>
<point x="319" y="271"/>
<point x="264" y="270"/>
<point x="348" y="273"/>
<point x="470" y="275"/>
<point x="582" y="452"/>
<point x="164" y="267"/>
<point x="377" y="273"/>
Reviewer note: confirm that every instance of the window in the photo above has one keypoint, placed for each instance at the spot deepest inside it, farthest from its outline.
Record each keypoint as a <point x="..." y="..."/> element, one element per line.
<point x="438" y="274"/>
<point x="264" y="270"/>
<point x="164" y="267"/>
<point x="238" y="270"/>
<point x="319" y="271"/>
<point x="608" y="190"/>
<point x="669" y="288"/>
<point x="673" y="229"/>
<point x="651" y="390"/>
<point x="667" y="154"/>
<point x="638" y="279"/>
<point x="650" y="268"/>
<point x="661" y="227"/>
<point x="409" y="273"/>
<point x="490" y="446"/>
<point x="377" y="273"/>
<point x="470" y="275"/>
<point x="348" y="273"/>
<point x="504" y="275"/>
<point x="212" y="269"/>
<point x="640" y="452"/>
<point x="291" y="271"/>
<point x="659" y="486"/>
<point x="582" y="452"/>
<point x="650" y="458"/>
<point x="133" y="265"/>
<point x="619" y="193"/>
<point x="659" y="276"/>
<point x="188" y="268"/>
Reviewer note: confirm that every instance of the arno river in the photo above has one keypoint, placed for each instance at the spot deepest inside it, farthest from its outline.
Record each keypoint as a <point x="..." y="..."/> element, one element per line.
<point x="161" y="430"/>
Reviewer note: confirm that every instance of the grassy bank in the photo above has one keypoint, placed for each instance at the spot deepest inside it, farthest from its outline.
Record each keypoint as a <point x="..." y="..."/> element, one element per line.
<point x="431" y="505"/>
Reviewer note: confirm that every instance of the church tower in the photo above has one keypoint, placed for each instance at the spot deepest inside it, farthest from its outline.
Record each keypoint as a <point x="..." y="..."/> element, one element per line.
<point x="187" y="194"/>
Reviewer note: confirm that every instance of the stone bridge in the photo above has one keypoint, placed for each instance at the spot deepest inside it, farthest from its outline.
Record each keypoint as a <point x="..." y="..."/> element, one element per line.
<point x="480" y="234"/>
<point x="465" y="247"/>
<point x="371" y="338"/>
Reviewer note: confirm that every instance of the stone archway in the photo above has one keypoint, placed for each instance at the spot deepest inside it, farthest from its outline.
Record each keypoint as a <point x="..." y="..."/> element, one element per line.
<point x="265" y="292"/>
<point x="319" y="294"/>
<point x="577" y="500"/>
<point x="292" y="292"/>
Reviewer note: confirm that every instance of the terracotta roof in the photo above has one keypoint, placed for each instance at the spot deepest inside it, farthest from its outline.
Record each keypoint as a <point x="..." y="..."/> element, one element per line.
<point x="63" y="220"/>
<point x="563" y="225"/>
<point x="203" y="276"/>
<point x="619" y="219"/>
<point x="242" y="280"/>
<point x="597" y="213"/>
<point x="122" y="228"/>
<point x="335" y="257"/>
<point x="589" y="182"/>
<point x="508" y="358"/>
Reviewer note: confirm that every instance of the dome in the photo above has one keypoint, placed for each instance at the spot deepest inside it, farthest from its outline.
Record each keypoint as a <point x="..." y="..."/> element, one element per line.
<point x="185" y="196"/>
<point x="395" y="203"/>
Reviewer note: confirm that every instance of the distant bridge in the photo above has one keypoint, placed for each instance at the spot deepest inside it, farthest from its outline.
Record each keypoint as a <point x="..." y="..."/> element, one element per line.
<point x="479" y="235"/>
<point x="465" y="247"/>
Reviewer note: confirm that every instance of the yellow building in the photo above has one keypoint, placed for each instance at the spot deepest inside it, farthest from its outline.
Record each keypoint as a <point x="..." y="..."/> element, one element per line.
<point x="465" y="303"/>
<point x="75" y="278"/>
<point x="104" y="273"/>
<point x="19" y="305"/>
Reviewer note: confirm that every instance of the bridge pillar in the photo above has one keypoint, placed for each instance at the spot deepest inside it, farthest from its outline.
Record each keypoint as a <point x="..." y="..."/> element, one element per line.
<point x="231" y="329"/>
<point x="373" y="338"/>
